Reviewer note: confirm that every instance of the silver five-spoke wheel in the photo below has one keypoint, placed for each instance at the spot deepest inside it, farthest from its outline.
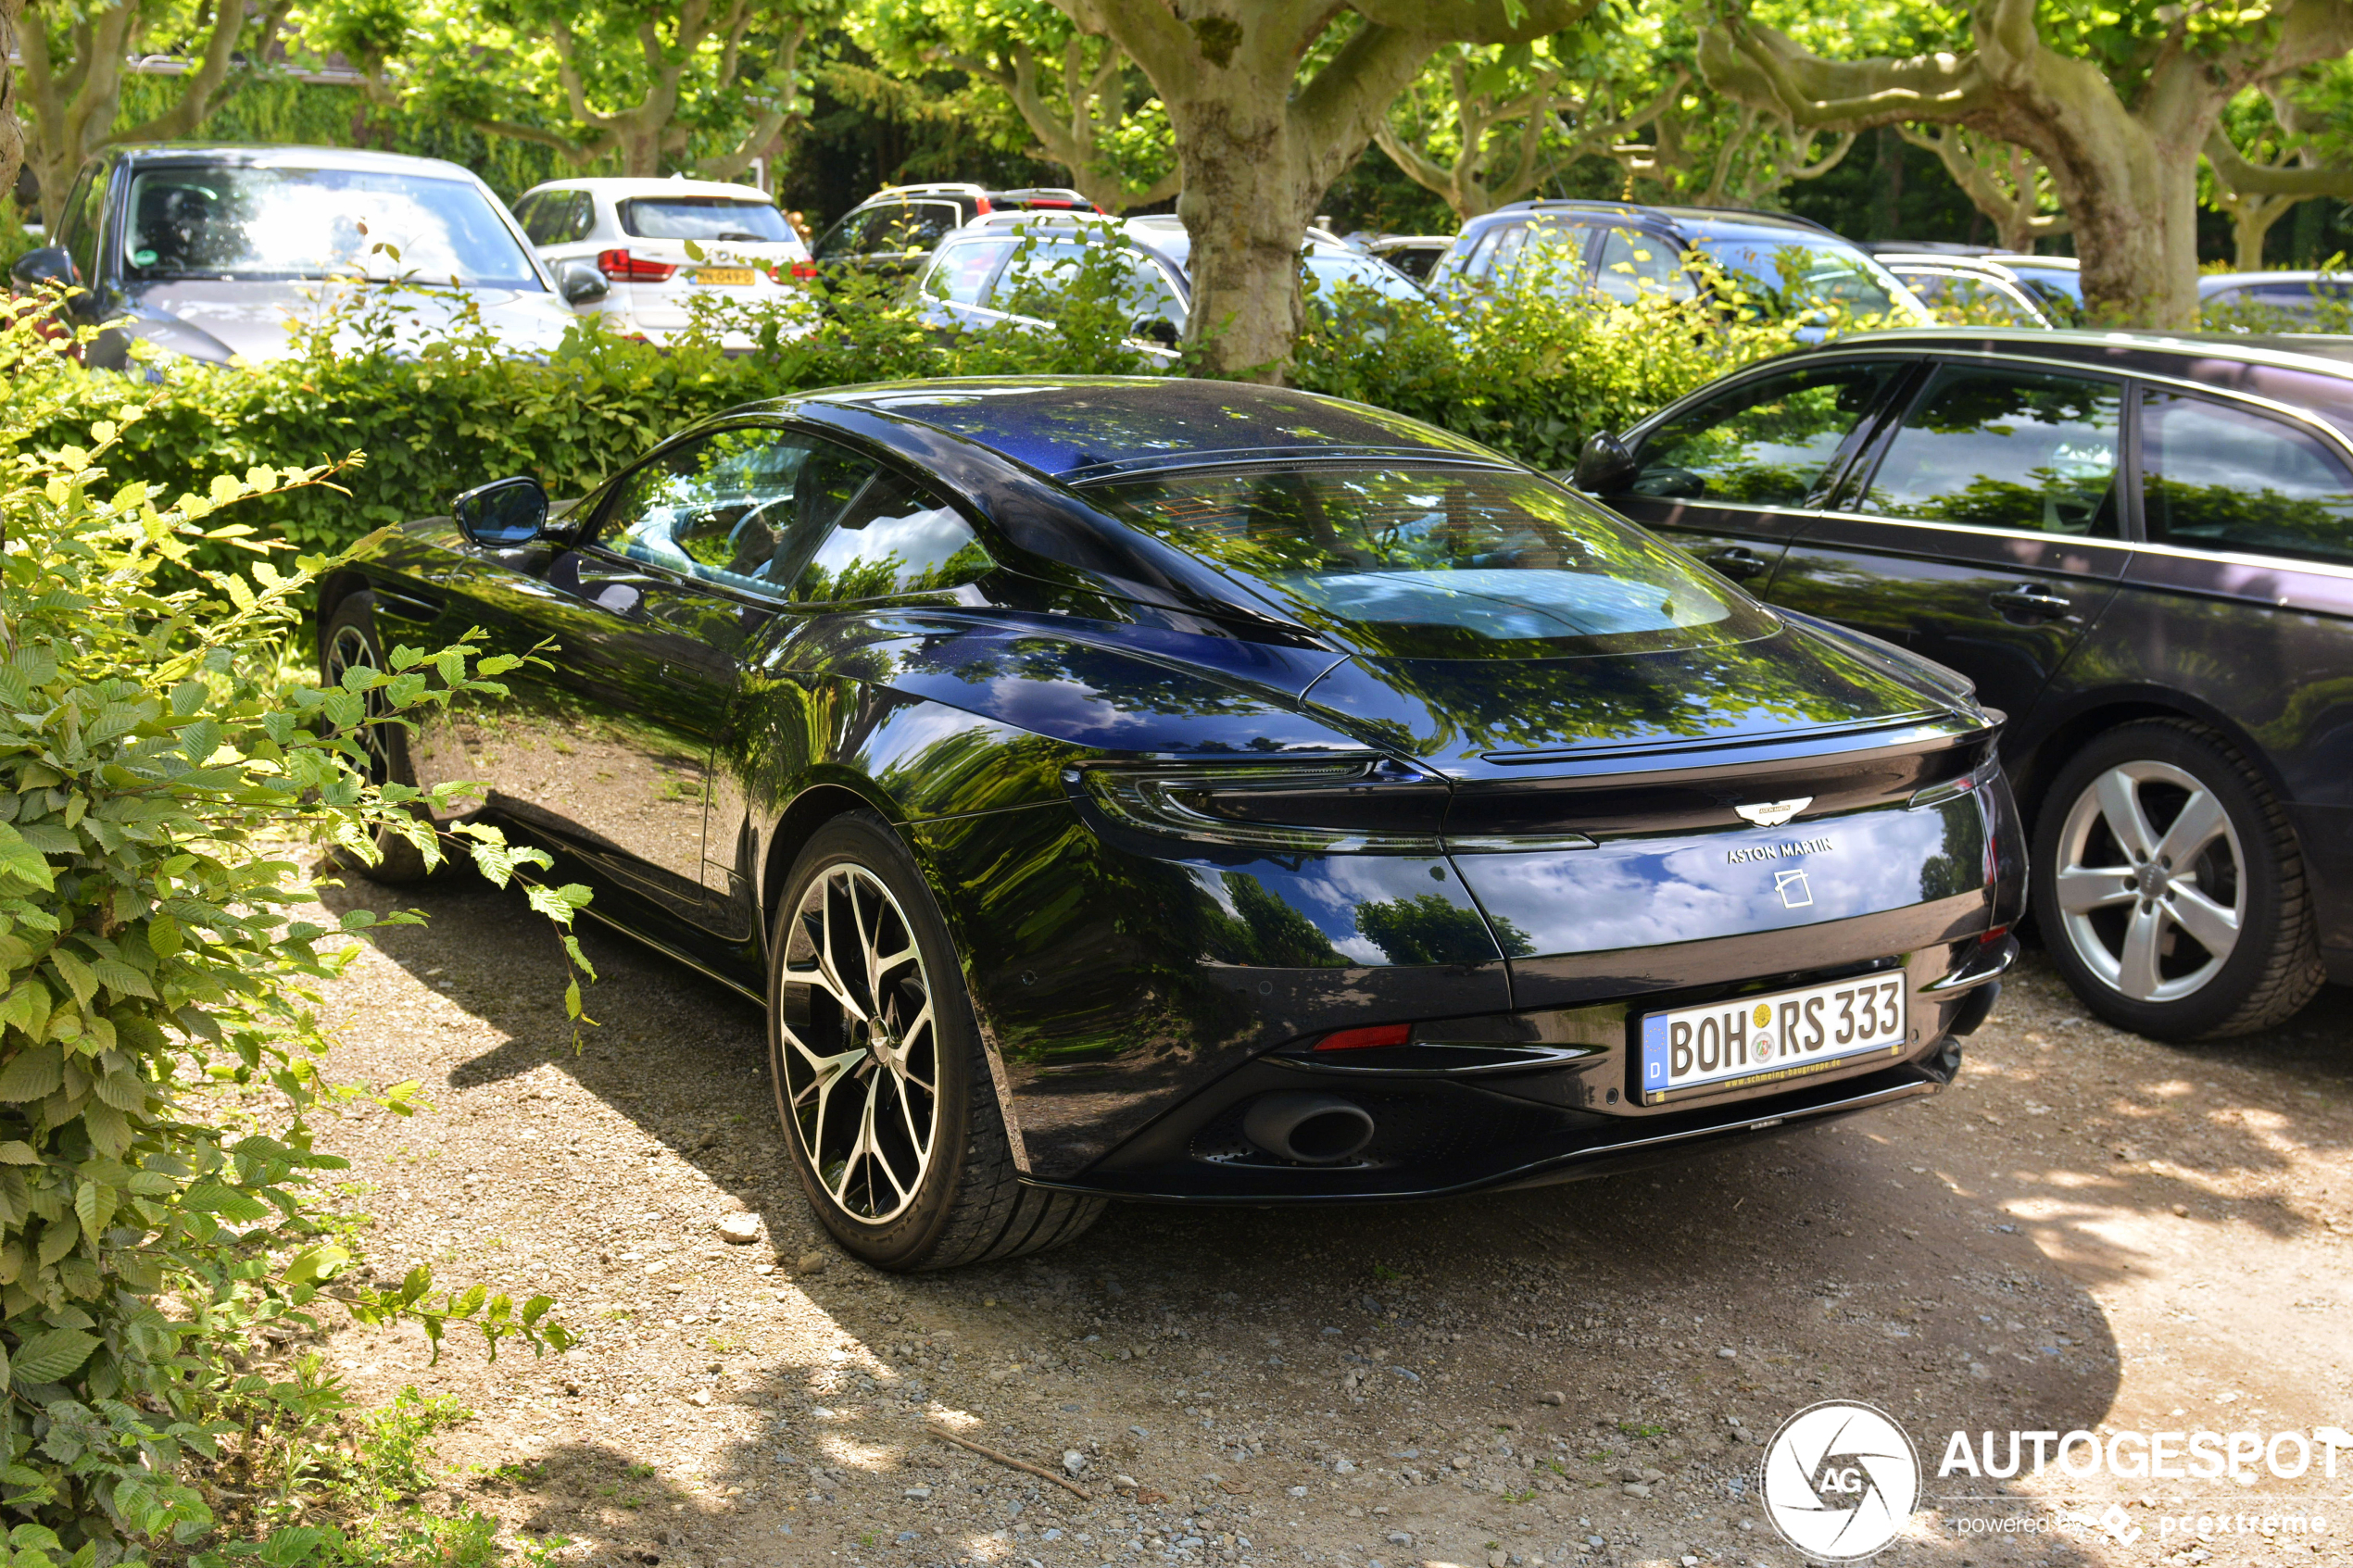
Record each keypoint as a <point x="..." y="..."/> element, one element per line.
<point x="2150" y="881"/>
<point x="861" y="1052"/>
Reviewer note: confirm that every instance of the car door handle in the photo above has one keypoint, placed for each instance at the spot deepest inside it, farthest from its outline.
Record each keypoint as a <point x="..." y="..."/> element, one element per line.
<point x="2034" y="603"/>
<point x="1738" y="560"/>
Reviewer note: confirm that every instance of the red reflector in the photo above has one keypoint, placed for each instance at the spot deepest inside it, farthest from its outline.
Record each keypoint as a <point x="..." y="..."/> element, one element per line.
<point x="1357" y="1039"/>
<point x="624" y="268"/>
<point x="1992" y="937"/>
<point x="1063" y="205"/>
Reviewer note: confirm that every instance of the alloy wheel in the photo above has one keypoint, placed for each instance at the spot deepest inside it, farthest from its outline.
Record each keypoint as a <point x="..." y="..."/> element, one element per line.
<point x="860" y="1053"/>
<point x="2150" y="881"/>
<point x="347" y="651"/>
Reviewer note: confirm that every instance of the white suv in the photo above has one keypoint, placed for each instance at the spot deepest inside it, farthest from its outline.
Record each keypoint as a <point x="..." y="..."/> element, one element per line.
<point x="634" y="234"/>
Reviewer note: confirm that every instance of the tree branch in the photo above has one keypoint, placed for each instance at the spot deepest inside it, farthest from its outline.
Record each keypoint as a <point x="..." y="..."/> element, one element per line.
<point x="2245" y="178"/>
<point x="1476" y="21"/>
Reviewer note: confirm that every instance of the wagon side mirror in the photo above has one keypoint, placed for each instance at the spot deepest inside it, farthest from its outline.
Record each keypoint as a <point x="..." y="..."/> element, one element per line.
<point x="1605" y="465"/>
<point x="1157" y="329"/>
<point x="581" y="283"/>
<point x="50" y="264"/>
<point x="502" y="514"/>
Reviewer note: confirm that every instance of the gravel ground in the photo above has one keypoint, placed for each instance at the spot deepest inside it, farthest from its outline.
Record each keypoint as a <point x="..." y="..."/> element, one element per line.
<point x="2092" y="1229"/>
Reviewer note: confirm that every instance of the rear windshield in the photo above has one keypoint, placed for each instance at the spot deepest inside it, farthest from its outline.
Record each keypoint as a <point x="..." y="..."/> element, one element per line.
<point x="702" y="217"/>
<point x="1439" y="563"/>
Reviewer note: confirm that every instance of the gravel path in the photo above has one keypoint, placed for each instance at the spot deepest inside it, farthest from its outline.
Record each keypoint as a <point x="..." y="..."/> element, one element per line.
<point x="2094" y="1229"/>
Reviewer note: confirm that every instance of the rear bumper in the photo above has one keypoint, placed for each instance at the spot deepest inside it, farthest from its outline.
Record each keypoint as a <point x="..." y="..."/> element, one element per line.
<point x="1441" y="1131"/>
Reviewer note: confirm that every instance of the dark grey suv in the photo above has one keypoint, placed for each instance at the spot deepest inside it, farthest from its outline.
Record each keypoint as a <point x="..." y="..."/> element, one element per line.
<point x="2142" y="549"/>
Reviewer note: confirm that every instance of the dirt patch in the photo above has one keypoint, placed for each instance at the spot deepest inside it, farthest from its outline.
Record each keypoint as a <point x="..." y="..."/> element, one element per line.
<point x="2092" y="1229"/>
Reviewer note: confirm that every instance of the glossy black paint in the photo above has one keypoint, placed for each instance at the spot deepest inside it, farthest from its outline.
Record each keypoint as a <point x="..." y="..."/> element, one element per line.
<point x="684" y="737"/>
<point x="2070" y="634"/>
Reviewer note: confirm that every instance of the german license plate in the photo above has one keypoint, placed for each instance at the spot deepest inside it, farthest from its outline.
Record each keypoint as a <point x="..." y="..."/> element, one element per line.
<point x="726" y="277"/>
<point x="1779" y="1036"/>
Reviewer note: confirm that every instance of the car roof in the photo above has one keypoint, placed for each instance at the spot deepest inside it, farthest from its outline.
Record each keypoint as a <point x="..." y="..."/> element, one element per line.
<point x="620" y="188"/>
<point x="2312" y="371"/>
<point x="295" y="156"/>
<point x="2019" y="261"/>
<point x="1080" y="427"/>
<point x="1701" y="220"/>
<point x="2209" y="283"/>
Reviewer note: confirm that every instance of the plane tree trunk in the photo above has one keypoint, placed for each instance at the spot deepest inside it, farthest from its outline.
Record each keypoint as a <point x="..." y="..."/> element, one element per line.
<point x="1257" y="146"/>
<point x="2125" y="172"/>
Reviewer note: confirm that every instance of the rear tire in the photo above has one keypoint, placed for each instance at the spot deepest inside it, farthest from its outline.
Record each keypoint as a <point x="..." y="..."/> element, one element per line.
<point x="349" y="640"/>
<point x="2169" y="889"/>
<point x="882" y="1082"/>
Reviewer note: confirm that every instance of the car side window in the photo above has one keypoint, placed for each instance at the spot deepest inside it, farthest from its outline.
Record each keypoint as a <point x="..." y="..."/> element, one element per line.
<point x="722" y="506"/>
<point x="581" y="220"/>
<point x="2001" y="448"/>
<point x="2216" y="476"/>
<point x="1766" y="443"/>
<point x="888" y="535"/>
<point x="791" y="516"/>
<point x="543" y="217"/>
<point x="1631" y="265"/>
<point x="847" y="237"/>
<point x="906" y="226"/>
<point x="1497" y="261"/>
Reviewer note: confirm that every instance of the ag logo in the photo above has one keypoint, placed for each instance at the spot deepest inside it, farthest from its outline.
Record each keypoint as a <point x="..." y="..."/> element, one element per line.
<point x="1839" y="1481"/>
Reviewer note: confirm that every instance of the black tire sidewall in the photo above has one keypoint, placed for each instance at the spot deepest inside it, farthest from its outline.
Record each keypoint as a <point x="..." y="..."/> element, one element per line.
<point x="907" y="1241"/>
<point x="2214" y="1005"/>
<point x="397" y="859"/>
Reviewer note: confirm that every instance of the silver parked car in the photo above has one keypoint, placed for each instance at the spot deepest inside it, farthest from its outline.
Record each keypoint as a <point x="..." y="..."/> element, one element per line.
<point x="219" y="252"/>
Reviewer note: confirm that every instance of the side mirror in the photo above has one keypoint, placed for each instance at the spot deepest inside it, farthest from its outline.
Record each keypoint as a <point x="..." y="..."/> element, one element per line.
<point x="1604" y="465"/>
<point x="502" y="514"/>
<point x="1157" y="329"/>
<point x="50" y="264"/>
<point x="581" y="283"/>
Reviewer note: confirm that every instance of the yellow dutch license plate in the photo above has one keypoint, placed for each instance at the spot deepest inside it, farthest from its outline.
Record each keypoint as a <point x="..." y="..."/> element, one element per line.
<point x="729" y="276"/>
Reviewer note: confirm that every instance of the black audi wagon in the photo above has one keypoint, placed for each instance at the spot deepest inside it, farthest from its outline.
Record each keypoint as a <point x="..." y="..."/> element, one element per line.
<point x="2140" y="547"/>
<point x="1170" y="789"/>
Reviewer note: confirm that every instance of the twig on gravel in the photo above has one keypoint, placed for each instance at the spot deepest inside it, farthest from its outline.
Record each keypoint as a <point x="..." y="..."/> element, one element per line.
<point x="947" y="1437"/>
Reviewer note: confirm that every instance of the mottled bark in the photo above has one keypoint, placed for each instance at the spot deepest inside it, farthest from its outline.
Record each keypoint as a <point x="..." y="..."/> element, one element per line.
<point x="11" y="133"/>
<point x="2126" y="175"/>
<point x="1257" y="145"/>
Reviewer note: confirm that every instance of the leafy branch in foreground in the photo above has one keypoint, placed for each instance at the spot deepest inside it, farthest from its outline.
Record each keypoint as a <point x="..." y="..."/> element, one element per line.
<point x="161" y="1042"/>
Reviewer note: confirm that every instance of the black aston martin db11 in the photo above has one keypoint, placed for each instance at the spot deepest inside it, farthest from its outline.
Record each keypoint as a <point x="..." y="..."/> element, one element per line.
<point x="1170" y="790"/>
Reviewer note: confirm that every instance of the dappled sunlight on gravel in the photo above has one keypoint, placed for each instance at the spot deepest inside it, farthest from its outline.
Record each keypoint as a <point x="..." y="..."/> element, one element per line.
<point x="2092" y="1229"/>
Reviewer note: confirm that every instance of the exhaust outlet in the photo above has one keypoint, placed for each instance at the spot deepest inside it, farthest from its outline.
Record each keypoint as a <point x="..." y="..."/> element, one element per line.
<point x="1308" y="1129"/>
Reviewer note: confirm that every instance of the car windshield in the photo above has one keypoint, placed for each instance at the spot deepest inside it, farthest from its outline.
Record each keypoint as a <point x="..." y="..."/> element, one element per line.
<point x="1798" y="275"/>
<point x="214" y="220"/>
<point x="702" y="217"/>
<point x="1328" y="269"/>
<point x="1437" y="563"/>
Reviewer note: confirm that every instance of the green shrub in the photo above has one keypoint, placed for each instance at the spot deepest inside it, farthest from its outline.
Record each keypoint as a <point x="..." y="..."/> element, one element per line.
<point x="1518" y="367"/>
<point x="160" y="1046"/>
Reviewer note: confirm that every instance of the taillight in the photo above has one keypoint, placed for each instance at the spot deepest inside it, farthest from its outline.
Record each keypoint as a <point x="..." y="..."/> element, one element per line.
<point x="1993" y="933"/>
<point x="1371" y="1035"/>
<point x="624" y="268"/>
<point x="986" y="209"/>
<point x="804" y="270"/>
